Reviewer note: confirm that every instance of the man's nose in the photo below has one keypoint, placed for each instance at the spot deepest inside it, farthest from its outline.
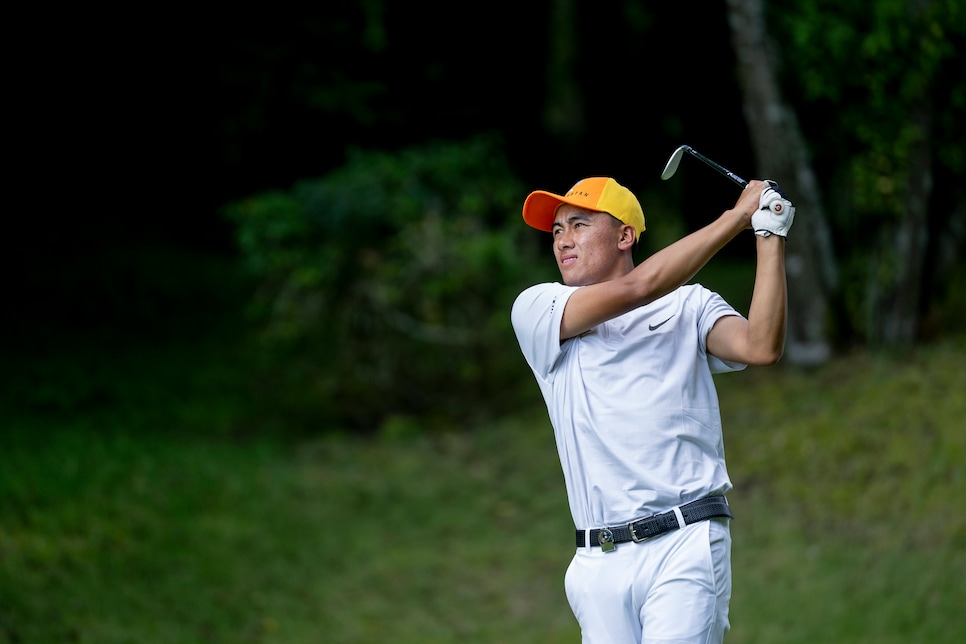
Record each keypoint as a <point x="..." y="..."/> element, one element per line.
<point x="564" y="239"/>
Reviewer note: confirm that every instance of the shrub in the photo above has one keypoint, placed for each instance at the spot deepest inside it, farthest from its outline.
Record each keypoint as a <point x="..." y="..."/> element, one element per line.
<point x="384" y="287"/>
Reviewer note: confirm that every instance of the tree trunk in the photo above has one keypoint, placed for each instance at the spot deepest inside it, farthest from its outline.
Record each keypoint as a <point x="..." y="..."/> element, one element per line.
<point x="896" y="313"/>
<point x="897" y="318"/>
<point x="781" y="155"/>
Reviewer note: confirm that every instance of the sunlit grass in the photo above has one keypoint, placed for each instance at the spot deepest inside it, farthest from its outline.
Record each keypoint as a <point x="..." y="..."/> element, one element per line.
<point x="848" y="526"/>
<point x="123" y="520"/>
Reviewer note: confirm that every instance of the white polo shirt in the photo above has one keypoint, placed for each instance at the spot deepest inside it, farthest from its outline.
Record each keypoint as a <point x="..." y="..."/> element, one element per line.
<point x="632" y="401"/>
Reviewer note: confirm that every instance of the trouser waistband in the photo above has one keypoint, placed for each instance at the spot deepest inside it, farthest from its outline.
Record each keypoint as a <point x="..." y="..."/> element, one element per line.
<point x="658" y="524"/>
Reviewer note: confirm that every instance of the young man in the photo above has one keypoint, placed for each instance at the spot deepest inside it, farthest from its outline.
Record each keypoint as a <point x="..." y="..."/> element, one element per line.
<point x="624" y="358"/>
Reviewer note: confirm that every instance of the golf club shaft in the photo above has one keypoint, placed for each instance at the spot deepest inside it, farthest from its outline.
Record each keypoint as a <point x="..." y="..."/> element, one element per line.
<point x="728" y="173"/>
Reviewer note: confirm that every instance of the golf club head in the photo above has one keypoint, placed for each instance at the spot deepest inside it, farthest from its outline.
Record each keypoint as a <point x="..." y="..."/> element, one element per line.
<point x="673" y="163"/>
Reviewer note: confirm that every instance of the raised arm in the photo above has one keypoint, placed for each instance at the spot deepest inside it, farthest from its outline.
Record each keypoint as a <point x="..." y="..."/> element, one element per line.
<point x="760" y="340"/>
<point x="660" y="273"/>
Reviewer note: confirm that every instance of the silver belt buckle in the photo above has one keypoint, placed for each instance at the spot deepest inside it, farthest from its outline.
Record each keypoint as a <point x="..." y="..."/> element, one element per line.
<point x="633" y="532"/>
<point x="606" y="540"/>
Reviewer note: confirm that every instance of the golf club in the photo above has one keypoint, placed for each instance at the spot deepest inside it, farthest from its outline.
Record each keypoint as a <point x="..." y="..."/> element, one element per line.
<point x="675" y="160"/>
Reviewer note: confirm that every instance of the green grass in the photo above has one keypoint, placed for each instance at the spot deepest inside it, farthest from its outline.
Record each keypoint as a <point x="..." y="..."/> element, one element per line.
<point x="138" y="505"/>
<point x="849" y="485"/>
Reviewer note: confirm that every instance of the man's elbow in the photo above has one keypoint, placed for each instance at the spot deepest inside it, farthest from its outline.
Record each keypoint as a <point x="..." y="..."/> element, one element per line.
<point x="766" y="356"/>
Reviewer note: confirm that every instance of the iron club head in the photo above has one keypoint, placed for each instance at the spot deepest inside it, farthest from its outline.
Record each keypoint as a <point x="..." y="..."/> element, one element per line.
<point x="673" y="162"/>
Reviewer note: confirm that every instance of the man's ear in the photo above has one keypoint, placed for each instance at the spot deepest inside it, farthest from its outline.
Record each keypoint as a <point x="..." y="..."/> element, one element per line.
<point x="628" y="237"/>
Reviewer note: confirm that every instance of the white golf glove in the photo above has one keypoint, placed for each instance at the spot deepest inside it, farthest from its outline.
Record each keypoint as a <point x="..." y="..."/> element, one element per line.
<point x="775" y="212"/>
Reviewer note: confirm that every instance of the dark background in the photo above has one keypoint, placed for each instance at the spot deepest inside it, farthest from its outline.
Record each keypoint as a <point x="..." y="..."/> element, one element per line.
<point x="161" y="126"/>
<point x="131" y="132"/>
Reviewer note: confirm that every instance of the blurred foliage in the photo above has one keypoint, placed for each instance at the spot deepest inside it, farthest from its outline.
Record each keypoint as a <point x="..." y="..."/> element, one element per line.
<point x="387" y="283"/>
<point x="875" y="83"/>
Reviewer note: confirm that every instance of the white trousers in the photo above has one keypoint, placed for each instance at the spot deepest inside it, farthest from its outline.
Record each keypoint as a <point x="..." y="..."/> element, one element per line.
<point x="672" y="589"/>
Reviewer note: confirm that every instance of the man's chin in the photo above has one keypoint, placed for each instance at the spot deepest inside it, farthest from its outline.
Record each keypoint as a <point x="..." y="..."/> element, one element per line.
<point x="572" y="280"/>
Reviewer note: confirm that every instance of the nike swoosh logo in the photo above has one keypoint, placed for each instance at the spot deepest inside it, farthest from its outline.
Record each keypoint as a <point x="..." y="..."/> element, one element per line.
<point x="655" y="327"/>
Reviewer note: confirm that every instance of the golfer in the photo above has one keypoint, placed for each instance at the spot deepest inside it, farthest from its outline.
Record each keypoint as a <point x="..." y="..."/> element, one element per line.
<point x="624" y="357"/>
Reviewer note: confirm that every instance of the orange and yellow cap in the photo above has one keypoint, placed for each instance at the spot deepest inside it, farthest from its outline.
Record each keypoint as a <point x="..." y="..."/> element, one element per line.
<point x="600" y="194"/>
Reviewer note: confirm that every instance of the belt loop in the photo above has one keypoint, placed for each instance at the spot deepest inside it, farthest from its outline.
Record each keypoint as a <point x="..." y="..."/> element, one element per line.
<point x="680" y="517"/>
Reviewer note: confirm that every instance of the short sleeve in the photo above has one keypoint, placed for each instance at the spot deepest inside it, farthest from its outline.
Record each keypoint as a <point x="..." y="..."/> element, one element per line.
<point x="713" y="309"/>
<point x="536" y="316"/>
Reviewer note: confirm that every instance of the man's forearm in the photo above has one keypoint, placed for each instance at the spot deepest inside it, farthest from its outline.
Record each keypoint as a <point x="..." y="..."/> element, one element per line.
<point x="769" y="303"/>
<point x="674" y="265"/>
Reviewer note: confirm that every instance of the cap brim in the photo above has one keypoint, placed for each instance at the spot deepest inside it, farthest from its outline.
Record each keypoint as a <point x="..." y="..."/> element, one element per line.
<point x="539" y="209"/>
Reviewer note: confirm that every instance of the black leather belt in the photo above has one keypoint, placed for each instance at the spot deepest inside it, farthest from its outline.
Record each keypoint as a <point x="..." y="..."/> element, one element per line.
<point x="658" y="524"/>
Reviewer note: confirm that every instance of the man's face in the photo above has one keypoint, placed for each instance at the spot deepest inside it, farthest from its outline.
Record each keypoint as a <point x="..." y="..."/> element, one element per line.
<point x="585" y="244"/>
